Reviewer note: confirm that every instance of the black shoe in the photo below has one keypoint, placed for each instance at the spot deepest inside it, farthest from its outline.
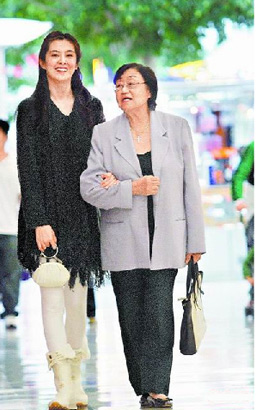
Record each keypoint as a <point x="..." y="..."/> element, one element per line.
<point x="149" y="402"/>
<point x="144" y="400"/>
<point x="4" y="314"/>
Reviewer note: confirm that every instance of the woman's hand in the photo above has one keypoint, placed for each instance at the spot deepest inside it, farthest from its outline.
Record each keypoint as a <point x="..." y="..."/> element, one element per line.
<point x="147" y="185"/>
<point x="45" y="236"/>
<point x="196" y="257"/>
<point x="240" y="204"/>
<point x="108" y="180"/>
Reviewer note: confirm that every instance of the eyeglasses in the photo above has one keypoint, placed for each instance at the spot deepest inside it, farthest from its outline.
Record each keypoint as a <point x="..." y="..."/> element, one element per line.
<point x="130" y="86"/>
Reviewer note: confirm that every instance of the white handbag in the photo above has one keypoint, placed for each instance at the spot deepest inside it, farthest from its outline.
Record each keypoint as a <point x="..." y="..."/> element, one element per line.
<point x="51" y="273"/>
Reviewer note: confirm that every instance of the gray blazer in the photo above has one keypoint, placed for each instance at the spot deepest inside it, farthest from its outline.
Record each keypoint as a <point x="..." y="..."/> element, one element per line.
<point x="179" y="227"/>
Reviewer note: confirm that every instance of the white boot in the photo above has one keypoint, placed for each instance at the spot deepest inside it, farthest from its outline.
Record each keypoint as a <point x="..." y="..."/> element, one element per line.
<point x="60" y="362"/>
<point x="79" y="399"/>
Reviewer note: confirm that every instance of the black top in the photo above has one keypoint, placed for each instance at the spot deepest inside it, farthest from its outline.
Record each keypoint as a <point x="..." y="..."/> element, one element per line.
<point x="50" y="165"/>
<point x="146" y="169"/>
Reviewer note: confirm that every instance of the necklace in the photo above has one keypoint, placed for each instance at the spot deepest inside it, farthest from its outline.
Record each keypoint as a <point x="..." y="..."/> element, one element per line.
<point x="139" y="137"/>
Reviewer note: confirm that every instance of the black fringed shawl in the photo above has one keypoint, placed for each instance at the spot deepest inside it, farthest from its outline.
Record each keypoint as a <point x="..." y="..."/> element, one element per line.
<point x="50" y="164"/>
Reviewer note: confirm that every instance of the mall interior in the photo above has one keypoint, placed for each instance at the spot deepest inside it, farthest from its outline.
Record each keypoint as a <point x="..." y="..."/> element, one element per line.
<point x="216" y="96"/>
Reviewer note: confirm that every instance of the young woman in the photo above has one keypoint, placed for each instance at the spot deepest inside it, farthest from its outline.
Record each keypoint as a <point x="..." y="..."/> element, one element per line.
<point x="54" y="128"/>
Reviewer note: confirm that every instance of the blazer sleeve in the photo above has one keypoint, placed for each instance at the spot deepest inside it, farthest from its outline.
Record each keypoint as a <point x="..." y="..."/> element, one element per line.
<point x="117" y="196"/>
<point x="29" y="175"/>
<point x="192" y="195"/>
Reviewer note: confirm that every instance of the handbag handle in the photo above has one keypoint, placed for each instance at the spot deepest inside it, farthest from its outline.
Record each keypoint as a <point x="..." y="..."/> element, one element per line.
<point x="190" y="276"/>
<point x="52" y="256"/>
<point x="193" y="277"/>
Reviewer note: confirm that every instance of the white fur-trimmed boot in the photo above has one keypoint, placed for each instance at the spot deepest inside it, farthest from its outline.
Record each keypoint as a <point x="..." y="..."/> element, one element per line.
<point x="79" y="399"/>
<point x="60" y="362"/>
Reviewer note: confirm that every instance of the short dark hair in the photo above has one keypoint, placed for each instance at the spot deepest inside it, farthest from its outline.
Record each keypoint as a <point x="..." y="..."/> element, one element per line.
<point x="149" y="77"/>
<point x="5" y="126"/>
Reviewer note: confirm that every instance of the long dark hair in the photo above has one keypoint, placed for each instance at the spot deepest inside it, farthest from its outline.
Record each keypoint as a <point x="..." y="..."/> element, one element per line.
<point x="42" y="93"/>
<point x="148" y="76"/>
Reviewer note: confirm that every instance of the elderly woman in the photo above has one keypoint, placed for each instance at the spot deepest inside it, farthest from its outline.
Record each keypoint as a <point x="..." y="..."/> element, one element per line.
<point x="151" y="222"/>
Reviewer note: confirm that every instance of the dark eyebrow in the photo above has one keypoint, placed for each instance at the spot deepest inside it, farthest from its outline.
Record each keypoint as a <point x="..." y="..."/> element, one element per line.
<point x="57" y="51"/>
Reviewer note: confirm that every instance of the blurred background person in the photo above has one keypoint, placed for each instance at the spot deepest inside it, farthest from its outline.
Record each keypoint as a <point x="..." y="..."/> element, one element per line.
<point x="244" y="202"/>
<point x="10" y="269"/>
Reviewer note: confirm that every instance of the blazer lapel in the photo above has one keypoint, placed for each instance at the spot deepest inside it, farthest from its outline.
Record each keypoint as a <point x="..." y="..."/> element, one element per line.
<point x="159" y="142"/>
<point x="124" y="144"/>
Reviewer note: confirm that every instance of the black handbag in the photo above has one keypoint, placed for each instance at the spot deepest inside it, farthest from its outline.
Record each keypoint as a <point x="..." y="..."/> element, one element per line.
<point x="193" y="325"/>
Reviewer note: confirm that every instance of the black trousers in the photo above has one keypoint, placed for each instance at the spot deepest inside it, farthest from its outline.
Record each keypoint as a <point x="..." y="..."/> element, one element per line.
<point x="91" y="308"/>
<point x="145" y="306"/>
<point x="10" y="272"/>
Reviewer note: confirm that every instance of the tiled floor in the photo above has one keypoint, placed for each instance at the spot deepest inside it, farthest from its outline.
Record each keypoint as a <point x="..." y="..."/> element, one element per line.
<point x="219" y="377"/>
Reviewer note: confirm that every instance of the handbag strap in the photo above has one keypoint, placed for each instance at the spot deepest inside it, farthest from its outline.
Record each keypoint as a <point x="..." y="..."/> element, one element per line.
<point x="190" y="277"/>
<point x="51" y="256"/>
<point x="194" y="277"/>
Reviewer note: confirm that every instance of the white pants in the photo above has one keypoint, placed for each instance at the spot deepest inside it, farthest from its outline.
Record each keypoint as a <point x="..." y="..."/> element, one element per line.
<point x="58" y="303"/>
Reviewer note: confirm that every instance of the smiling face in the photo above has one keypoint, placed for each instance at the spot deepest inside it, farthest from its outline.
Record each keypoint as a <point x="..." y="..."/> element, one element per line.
<point x="135" y="98"/>
<point x="60" y="61"/>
